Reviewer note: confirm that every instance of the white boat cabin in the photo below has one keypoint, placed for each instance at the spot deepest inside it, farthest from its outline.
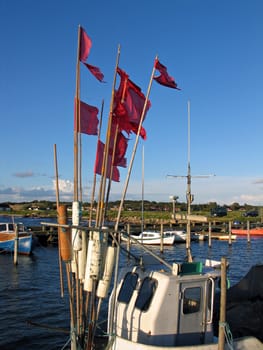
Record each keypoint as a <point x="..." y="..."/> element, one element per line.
<point x="7" y="227"/>
<point x="163" y="308"/>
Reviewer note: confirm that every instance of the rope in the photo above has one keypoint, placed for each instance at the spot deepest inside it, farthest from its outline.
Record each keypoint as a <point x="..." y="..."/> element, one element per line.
<point x="110" y="343"/>
<point x="45" y="326"/>
<point x="65" y="345"/>
<point x="228" y="334"/>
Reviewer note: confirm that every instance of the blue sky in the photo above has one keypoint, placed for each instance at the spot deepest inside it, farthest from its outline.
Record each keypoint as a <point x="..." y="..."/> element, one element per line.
<point x="214" y="51"/>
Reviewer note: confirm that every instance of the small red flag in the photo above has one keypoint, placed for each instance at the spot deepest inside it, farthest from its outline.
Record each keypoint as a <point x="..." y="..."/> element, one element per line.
<point x="120" y="147"/>
<point x="128" y="105"/>
<point x="88" y="120"/>
<point x="164" y="78"/>
<point x="98" y="164"/>
<point x="95" y="71"/>
<point x="85" y="45"/>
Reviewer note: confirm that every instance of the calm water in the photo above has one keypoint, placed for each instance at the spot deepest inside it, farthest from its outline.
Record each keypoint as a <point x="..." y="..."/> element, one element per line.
<point x="30" y="291"/>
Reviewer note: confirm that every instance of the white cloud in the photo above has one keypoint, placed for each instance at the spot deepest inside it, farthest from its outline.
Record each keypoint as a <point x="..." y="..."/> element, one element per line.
<point x="223" y="190"/>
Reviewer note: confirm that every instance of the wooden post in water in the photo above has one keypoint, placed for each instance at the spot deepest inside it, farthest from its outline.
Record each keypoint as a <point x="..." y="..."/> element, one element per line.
<point x="161" y="245"/>
<point x="209" y="235"/>
<point x="230" y="233"/>
<point x="222" y="319"/>
<point x="248" y="231"/>
<point x="129" y="239"/>
<point x="16" y="245"/>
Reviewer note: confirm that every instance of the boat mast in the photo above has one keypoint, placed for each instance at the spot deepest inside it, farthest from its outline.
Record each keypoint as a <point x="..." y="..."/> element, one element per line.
<point x="189" y="196"/>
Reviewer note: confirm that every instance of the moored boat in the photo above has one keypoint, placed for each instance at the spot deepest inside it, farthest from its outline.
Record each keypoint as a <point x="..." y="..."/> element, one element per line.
<point x="8" y="237"/>
<point x="257" y="231"/>
<point x="155" y="309"/>
<point x="153" y="238"/>
<point x="180" y="235"/>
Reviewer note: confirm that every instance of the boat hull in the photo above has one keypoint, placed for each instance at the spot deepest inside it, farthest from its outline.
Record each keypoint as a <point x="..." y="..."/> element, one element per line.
<point x="7" y="243"/>
<point x="244" y="232"/>
<point x="246" y="343"/>
<point x="150" y="238"/>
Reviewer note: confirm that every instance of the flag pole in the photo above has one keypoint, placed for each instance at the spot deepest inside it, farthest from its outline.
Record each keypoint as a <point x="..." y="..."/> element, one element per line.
<point x="100" y="207"/>
<point x="114" y="290"/>
<point x="134" y="149"/>
<point x="57" y="200"/>
<point x="77" y="120"/>
<point x="111" y="173"/>
<point x="94" y="177"/>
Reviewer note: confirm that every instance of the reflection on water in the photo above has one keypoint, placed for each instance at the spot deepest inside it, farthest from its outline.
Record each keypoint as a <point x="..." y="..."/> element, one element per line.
<point x="31" y="290"/>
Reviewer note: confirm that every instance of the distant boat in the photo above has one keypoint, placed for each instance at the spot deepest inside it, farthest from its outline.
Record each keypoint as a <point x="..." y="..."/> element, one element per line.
<point x="153" y="238"/>
<point x="225" y="237"/>
<point x="8" y="236"/>
<point x="257" y="231"/>
<point x="180" y="235"/>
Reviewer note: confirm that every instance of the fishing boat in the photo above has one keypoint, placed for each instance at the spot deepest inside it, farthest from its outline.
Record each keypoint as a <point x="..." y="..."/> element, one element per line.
<point x="166" y="309"/>
<point x="153" y="238"/>
<point x="8" y="237"/>
<point x="257" y="231"/>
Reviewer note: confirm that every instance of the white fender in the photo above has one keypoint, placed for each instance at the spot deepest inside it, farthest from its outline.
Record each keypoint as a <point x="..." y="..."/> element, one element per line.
<point x="87" y="280"/>
<point x="104" y="283"/>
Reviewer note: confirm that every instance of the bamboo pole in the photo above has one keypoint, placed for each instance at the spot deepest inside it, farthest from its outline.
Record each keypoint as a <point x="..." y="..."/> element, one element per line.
<point x="77" y="120"/>
<point x="222" y="320"/>
<point x="80" y="166"/>
<point x="73" y="335"/>
<point x="100" y="207"/>
<point x="95" y="175"/>
<point x="74" y="326"/>
<point x="111" y="173"/>
<point x="124" y="195"/>
<point x="59" y="242"/>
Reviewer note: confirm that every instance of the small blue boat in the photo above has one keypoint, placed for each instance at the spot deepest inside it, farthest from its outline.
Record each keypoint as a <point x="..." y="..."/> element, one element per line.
<point x="8" y="237"/>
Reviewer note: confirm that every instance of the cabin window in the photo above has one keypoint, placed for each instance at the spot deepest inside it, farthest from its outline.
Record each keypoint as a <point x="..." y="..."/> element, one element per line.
<point x="146" y="294"/>
<point x="3" y="227"/>
<point x="191" y="300"/>
<point x="128" y="286"/>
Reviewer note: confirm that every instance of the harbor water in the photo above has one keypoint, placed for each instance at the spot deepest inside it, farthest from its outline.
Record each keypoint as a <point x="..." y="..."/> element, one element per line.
<point x="35" y="316"/>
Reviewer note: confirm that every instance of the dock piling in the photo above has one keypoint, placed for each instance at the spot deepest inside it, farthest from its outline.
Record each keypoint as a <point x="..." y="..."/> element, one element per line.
<point x="16" y="245"/>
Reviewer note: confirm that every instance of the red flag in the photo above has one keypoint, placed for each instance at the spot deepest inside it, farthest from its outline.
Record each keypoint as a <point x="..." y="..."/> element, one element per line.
<point x="120" y="146"/>
<point x="88" y="120"/>
<point x="85" y="45"/>
<point x="164" y="78"/>
<point x="95" y="71"/>
<point x="120" y="151"/>
<point x="128" y="104"/>
<point x="99" y="161"/>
